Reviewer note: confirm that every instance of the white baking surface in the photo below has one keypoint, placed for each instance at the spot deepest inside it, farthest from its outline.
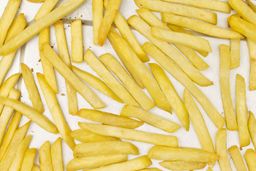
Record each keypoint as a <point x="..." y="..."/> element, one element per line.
<point x="186" y="139"/>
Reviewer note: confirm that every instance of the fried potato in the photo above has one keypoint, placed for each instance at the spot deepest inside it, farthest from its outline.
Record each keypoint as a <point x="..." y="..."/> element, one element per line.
<point x="36" y="1"/>
<point x="97" y="14"/>
<point x="252" y="128"/>
<point x="150" y="169"/>
<point x="35" y="168"/>
<point x="77" y="49"/>
<point x="237" y="158"/>
<point x="46" y="8"/>
<point x="57" y="156"/>
<point x="181" y="165"/>
<point x="252" y="53"/>
<point x="28" y="161"/>
<point x="251" y="4"/>
<point x="250" y="158"/>
<point x="45" y="158"/>
<point x="235" y="53"/>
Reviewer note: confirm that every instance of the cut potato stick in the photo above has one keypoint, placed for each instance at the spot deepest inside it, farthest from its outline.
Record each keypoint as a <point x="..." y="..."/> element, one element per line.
<point x="201" y="27"/>
<point x="225" y="63"/>
<point x="113" y="65"/>
<point x="251" y="4"/>
<point x="169" y="65"/>
<point x="133" y="164"/>
<point x="104" y="148"/>
<point x="250" y="158"/>
<point x="178" y="9"/>
<point x="109" y="118"/>
<point x="75" y="82"/>
<point x="150" y="118"/>
<point x="95" y="82"/>
<point x="252" y="53"/>
<point x="131" y="134"/>
<point x="57" y="156"/>
<point x="28" y="161"/>
<point x="172" y="52"/>
<point x="242" y="111"/>
<point x="36" y="168"/>
<point x="77" y="49"/>
<point x="198" y="123"/>
<point x="45" y="158"/>
<point x="37" y="26"/>
<point x="97" y="14"/>
<point x="181" y="165"/>
<point x="252" y="128"/>
<point x="46" y="8"/>
<point x="237" y="158"/>
<point x="235" y="53"/>
<point x="56" y="111"/>
<point x="108" y="78"/>
<point x="128" y="56"/>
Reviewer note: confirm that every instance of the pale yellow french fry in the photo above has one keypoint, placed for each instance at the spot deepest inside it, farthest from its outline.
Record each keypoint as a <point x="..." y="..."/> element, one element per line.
<point x="36" y="168"/>
<point x="20" y="153"/>
<point x="150" y="118"/>
<point x="45" y="158"/>
<point x="104" y="148"/>
<point x="178" y="9"/>
<point x="77" y="49"/>
<point x="28" y="161"/>
<point x="95" y="161"/>
<point x="242" y="112"/>
<point x="198" y="123"/>
<point x="97" y="14"/>
<point x="183" y="30"/>
<point x="7" y="18"/>
<point x="169" y="65"/>
<point x="182" y="154"/>
<point x="209" y="169"/>
<point x="75" y="82"/>
<point x="133" y="164"/>
<point x="252" y="53"/>
<point x="36" y="1"/>
<point x="150" y="169"/>
<point x="57" y="156"/>
<point x="237" y="158"/>
<point x="131" y="134"/>
<point x="86" y="136"/>
<point x="252" y="128"/>
<point x="113" y="65"/>
<point x="137" y="67"/>
<point x="221" y="150"/>
<point x="250" y="158"/>
<point x="56" y="111"/>
<point x="108" y="78"/>
<point x="200" y="26"/>
<point x="46" y="8"/>
<point x="181" y="165"/>
<point x="37" y="26"/>
<point x="95" y="82"/>
<point x="235" y="53"/>
<point x="225" y="63"/>
<point x="172" y="52"/>
<point x="109" y="118"/>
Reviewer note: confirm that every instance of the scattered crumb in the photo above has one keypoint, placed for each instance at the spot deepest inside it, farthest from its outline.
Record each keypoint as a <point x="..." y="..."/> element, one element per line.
<point x="62" y="94"/>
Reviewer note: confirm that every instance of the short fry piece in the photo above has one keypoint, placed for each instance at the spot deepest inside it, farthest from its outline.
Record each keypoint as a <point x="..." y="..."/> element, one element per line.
<point x="77" y="49"/>
<point x="252" y="53"/>
<point x="237" y="158"/>
<point x="45" y="158"/>
<point x="28" y="160"/>
<point x="57" y="156"/>
<point x="97" y="14"/>
<point x="181" y="165"/>
<point x="250" y="158"/>
<point x="252" y="128"/>
<point x="235" y="53"/>
<point x="46" y="8"/>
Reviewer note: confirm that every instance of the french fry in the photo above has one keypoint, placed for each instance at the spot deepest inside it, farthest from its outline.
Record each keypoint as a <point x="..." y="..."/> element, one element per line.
<point x="108" y="78"/>
<point x="209" y="169"/>
<point x="113" y="65"/>
<point x="133" y="164"/>
<point x="97" y="14"/>
<point x="46" y="8"/>
<point x="36" y="168"/>
<point x="251" y="4"/>
<point x="56" y="111"/>
<point x="242" y="112"/>
<point x="37" y="26"/>
<point x="172" y="52"/>
<point x="171" y="94"/>
<point x="95" y="82"/>
<point x="252" y="53"/>
<point x="250" y="158"/>
<point x="109" y="17"/>
<point x="126" y="54"/>
<point x="104" y="148"/>
<point x="77" y="49"/>
<point x="178" y="9"/>
<point x="235" y="53"/>
<point x="182" y="154"/>
<point x="75" y="82"/>
<point x="36" y="1"/>
<point x="109" y="118"/>
<point x="20" y="153"/>
<point x="57" y="156"/>
<point x="237" y="158"/>
<point x="181" y="165"/>
<point x="130" y="134"/>
<point x="177" y="73"/>
<point x="150" y="169"/>
<point x="198" y="123"/>
<point x="45" y="158"/>
<point x="252" y="128"/>
<point x="200" y="27"/>
<point x="28" y="161"/>
<point x="150" y="118"/>
<point x="221" y="149"/>
<point x="95" y="161"/>
<point x="225" y="63"/>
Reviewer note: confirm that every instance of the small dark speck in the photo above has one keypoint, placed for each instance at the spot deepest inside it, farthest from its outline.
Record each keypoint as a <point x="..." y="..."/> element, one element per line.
<point x="52" y="46"/>
<point x="90" y="47"/>
<point x="62" y="94"/>
<point x="39" y="60"/>
<point x="32" y="69"/>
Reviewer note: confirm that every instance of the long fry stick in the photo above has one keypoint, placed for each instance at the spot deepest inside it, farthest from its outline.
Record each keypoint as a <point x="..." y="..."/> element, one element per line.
<point x="252" y="53"/>
<point x="77" y="49"/>
<point x="57" y="156"/>
<point x="237" y="158"/>
<point x="181" y="165"/>
<point x="45" y="158"/>
<point x="46" y="8"/>
<point x="235" y="53"/>
<point x="252" y="128"/>
<point x="250" y="158"/>
<point x="97" y="14"/>
<point x="28" y="161"/>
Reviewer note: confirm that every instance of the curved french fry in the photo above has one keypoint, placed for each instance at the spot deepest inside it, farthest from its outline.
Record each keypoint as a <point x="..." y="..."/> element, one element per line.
<point x="28" y="160"/>
<point x="45" y="158"/>
<point x="237" y="158"/>
<point x="57" y="156"/>
<point x="181" y="165"/>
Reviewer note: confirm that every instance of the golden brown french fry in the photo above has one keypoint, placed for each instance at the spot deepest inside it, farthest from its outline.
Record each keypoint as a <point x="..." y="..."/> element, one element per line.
<point x="77" y="49"/>
<point x="95" y="161"/>
<point x="242" y="111"/>
<point x="56" y="155"/>
<point x="37" y="26"/>
<point x="45" y="158"/>
<point x="109" y="118"/>
<point x="97" y="14"/>
<point x="200" y="26"/>
<point x="235" y="53"/>
<point x="250" y="158"/>
<point x="28" y="161"/>
<point x="178" y="9"/>
<point x="56" y="111"/>
<point x="20" y="153"/>
<point x="252" y="53"/>
<point x="172" y="52"/>
<point x="252" y="128"/>
<point x="181" y="165"/>
<point x="46" y="8"/>
<point x="150" y="169"/>
<point x="237" y="158"/>
<point x="133" y="164"/>
<point x="221" y="149"/>
<point x="67" y="73"/>
<point x="150" y="118"/>
<point x="225" y="63"/>
<point x="131" y="134"/>
<point x="177" y="73"/>
<point x="198" y="123"/>
<point x="104" y="148"/>
<point x="108" y="78"/>
<point x="95" y="82"/>
<point x="113" y="65"/>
